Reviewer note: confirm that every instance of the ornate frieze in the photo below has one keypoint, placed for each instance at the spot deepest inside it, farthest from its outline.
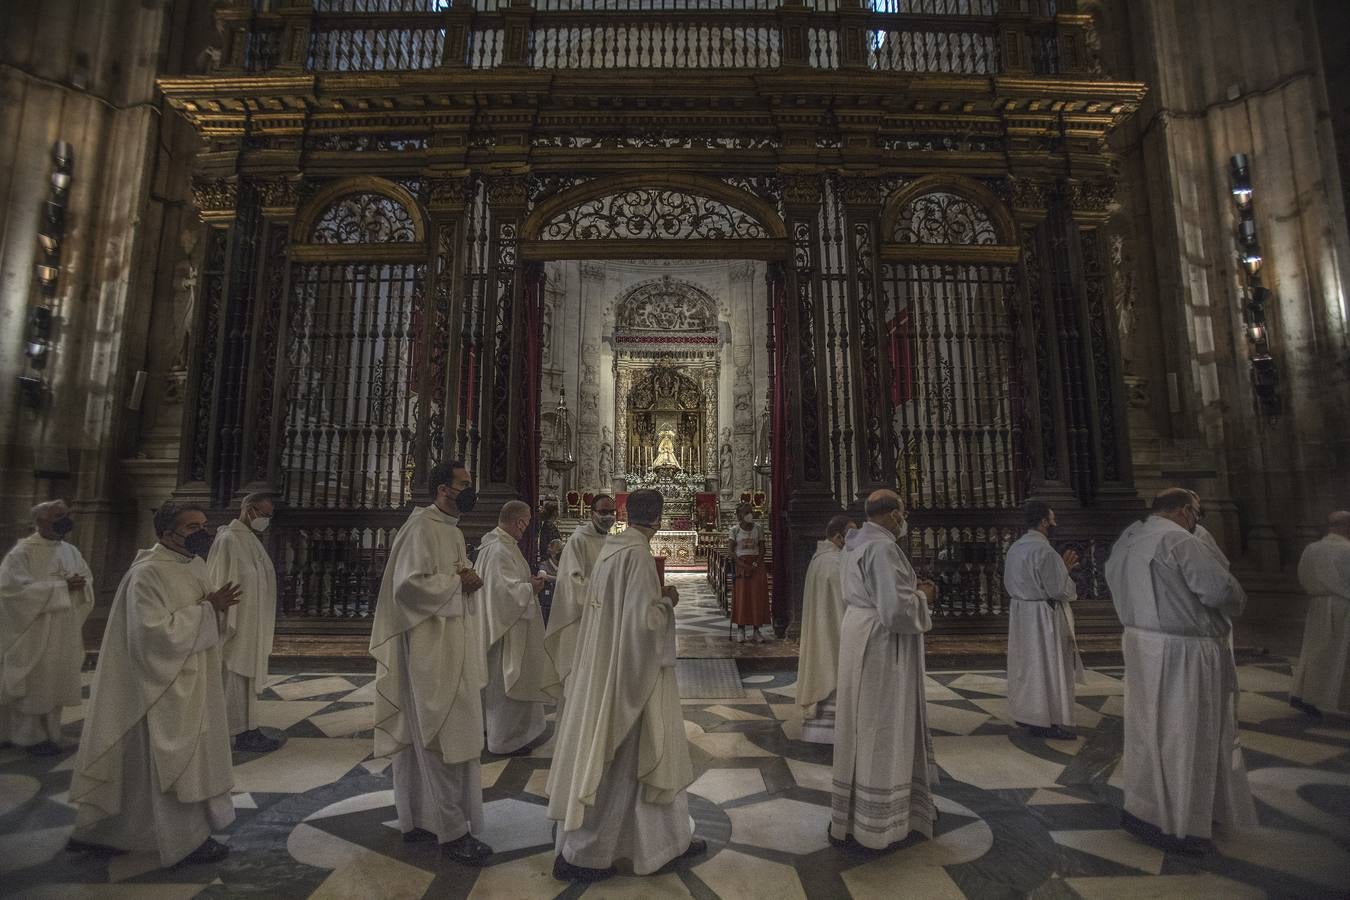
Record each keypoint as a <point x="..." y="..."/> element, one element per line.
<point x="449" y="192"/>
<point x="1092" y="198"/>
<point x="510" y="191"/>
<point x="656" y="141"/>
<point x="659" y="307"/>
<point x="860" y="190"/>
<point x="280" y="195"/>
<point x="801" y="190"/>
<point x="1028" y="194"/>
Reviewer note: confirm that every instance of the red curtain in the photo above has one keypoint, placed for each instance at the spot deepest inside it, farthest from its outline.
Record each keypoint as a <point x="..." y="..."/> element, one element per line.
<point x="780" y="480"/>
<point x="533" y="375"/>
<point x="901" y="340"/>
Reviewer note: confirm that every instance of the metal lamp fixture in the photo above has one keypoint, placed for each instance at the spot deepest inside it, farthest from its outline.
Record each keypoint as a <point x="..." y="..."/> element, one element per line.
<point x="1262" y="370"/>
<point x="563" y="459"/>
<point x="37" y="342"/>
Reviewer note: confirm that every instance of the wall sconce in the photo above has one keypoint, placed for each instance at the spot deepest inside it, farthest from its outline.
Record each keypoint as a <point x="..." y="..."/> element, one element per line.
<point x="1262" y="370"/>
<point x="37" y="340"/>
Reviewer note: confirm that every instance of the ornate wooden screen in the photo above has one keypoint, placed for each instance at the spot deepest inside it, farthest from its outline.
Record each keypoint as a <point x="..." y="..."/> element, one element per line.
<point x="948" y="332"/>
<point x="352" y="413"/>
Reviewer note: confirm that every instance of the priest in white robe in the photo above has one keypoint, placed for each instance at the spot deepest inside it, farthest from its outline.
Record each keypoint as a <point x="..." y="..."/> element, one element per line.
<point x="822" y="612"/>
<point x="621" y="763"/>
<point x="521" y="676"/>
<point x="46" y="593"/>
<point x="154" y="772"/>
<point x="1322" y="676"/>
<point x="430" y="673"/>
<point x="884" y="770"/>
<point x="569" y="594"/>
<point x="239" y="557"/>
<point x="1183" y="767"/>
<point x="1043" y="660"/>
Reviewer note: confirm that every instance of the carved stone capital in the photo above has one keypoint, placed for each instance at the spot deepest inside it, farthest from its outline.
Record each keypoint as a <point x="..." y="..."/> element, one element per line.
<point x="449" y="192"/>
<point x="280" y="195"/>
<point x="215" y="199"/>
<point x="1029" y="194"/>
<point x="801" y="190"/>
<point x="508" y="190"/>
<point x="860" y="190"/>
<point x="1093" y="198"/>
<point x="592" y="271"/>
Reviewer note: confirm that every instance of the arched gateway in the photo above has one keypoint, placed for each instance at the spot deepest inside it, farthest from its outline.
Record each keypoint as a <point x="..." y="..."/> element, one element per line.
<point x="376" y="287"/>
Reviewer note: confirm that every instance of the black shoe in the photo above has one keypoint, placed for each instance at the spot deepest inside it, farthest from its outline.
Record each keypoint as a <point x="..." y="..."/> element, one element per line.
<point x="565" y="871"/>
<point x="211" y="851"/>
<point x="1058" y="733"/>
<point x="46" y="748"/>
<point x="837" y="842"/>
<point x="1305" y="708"/>
<point x="417" y="835"/>
<point x="256" y="742"/>
<point x="468" y="850"/>
<point x="1153" y="835"/>
<point x="697" y="847"/>
<point x="75" y="846"/>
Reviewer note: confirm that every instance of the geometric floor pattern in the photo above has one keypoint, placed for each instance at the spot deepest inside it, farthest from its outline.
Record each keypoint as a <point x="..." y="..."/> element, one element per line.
<point x="1018" y="817"/>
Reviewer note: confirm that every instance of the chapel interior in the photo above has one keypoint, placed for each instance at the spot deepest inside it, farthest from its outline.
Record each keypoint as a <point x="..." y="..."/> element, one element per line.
<point x="775" y="252"/>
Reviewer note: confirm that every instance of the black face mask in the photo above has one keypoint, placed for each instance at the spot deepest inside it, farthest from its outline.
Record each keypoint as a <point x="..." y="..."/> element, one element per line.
<point x="198" y="543"/>
<point x="64" y="525"/>
<point x="466" y="500"/>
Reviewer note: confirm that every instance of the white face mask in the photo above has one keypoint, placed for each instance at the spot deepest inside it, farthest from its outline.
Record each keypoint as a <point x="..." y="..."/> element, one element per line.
<point x="260" y="523"/>
<point x="904" y="529"/>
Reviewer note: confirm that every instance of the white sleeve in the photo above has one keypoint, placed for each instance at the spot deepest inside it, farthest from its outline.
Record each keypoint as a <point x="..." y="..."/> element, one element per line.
<point x="1214" y="585"/>
<point x="903" y="609"/>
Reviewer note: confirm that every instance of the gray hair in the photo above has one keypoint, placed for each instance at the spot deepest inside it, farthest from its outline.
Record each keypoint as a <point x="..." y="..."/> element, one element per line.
<point x="166" y="517"/>
<point x="256" y="498"/>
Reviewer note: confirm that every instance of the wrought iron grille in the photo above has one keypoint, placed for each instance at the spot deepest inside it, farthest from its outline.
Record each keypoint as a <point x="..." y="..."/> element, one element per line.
<point x="952" y="389"/>
<point x="955" y="423"/>
<point x="833" y="262"/>
<point x="350" y="416"/>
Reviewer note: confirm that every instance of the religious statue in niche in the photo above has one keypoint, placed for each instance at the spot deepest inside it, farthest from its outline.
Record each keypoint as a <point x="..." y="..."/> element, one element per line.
<point x="724" y="469"/>
<point x="665" y="450"/>
<point x="606" y="463"/>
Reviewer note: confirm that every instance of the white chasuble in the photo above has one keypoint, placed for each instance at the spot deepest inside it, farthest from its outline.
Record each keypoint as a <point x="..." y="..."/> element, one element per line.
<point x="41" y="649"/>
<point x="429" y="676"/>
<point x="1043" y="661"/>
<point x="1183" y="766"/>
<point x="818" y="664"/>
<point x="238" y="557"/>
<point x="154" y="770"/>
<point x="1322" y="677"/>
<point x="564" y="618"/>
<point x="520" y="674"/>
<point x="621" y="761"/>
<point x="883" y="757"/>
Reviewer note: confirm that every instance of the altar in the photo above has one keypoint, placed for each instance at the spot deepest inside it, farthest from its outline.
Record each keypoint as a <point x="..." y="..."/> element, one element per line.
<point x="680" y="548"/>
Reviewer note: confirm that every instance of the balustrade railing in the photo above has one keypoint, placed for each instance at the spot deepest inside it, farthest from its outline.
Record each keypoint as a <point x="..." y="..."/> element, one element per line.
<point x="960" y="37"/>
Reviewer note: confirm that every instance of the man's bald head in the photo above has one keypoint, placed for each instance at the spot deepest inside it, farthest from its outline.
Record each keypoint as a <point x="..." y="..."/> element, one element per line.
<point x="514" y="518"/>
<point x="48" y="512"/>
<point x="1180" y="505"/>
<point x="881" y="503"/>
<point x="1339" y="523"/>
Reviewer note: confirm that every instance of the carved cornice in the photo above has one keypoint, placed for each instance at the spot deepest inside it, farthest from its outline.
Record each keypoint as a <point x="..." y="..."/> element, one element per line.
<point x="801" y="190"/>
<point x="215" y="199"/>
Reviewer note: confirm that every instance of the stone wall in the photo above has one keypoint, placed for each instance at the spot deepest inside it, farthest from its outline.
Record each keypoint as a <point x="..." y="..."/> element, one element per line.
<point x="84" y="71"/>
<point x="1230" y="76"/>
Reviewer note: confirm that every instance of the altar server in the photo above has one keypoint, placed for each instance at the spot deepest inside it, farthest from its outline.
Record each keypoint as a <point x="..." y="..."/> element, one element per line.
<point x="1183" y="768"/>
<point x="46" y="593"/>
<point x="153" y="772"/>
<point x="520" y="674"/>
<point x="883" y="757"/>
<point x="617" y="784"/>
<point x="822" y="611"/>
<point x="429" y="673"/>
<point x="1322" y="677"/>
<point x="239" y="557"/>
<point x="574" y="573"/>
<point x="1043" y="661"/>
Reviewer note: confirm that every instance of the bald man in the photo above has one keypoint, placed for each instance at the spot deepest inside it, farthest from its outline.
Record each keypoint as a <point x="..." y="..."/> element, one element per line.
<point x="520" y="674"/>
<point x="46" y="593"/>
<point x="1322" y="677"/>
<point x="1176" y="599"/>
<point x="883" y="758"/>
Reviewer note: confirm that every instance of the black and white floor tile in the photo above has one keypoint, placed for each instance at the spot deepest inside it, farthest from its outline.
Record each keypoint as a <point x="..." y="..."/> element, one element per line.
<point x="1019" y="816"/>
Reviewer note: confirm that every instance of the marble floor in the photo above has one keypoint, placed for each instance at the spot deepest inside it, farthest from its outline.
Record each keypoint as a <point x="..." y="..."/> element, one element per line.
<point x="1019" y="816"/>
